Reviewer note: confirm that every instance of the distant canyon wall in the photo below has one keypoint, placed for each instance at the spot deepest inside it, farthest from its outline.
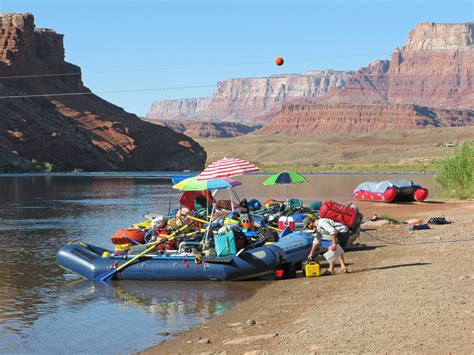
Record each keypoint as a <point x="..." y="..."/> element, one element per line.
<point x="313" y="119"/>
<point x="247" y="98"/>
<point x="435" y="68"/>
<point x="207" y="129"/>
<point x="428" y="82"/>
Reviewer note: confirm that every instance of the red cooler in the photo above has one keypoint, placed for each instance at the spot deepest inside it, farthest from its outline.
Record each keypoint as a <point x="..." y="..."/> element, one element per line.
<point x="286" y="221"/>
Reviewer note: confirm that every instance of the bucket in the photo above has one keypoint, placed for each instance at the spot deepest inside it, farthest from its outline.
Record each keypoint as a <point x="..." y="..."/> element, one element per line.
<point x="332" y="255"/>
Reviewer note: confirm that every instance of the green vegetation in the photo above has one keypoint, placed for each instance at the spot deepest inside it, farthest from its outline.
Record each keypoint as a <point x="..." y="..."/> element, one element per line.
<point x="421" y="167"/>
<point x="389" y="219"/>
<point x="48" y="167"/>
<point x="14" y="164"/>
<point x="42" y="166"/>
<point x="456" y="173"/>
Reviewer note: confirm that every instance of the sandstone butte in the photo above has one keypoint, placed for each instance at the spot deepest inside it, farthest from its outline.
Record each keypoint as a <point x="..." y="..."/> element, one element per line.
<point x="427" y="83"/>
<point x="77" y="131"/>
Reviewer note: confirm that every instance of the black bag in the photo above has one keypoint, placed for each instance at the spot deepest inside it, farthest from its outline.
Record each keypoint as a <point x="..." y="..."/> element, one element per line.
<point x="270" y="235"/>
<point x="439" y="220"/>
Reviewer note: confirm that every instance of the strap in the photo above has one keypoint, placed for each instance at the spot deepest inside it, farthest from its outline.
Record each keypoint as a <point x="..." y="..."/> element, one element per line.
<point x="227" y="244"/>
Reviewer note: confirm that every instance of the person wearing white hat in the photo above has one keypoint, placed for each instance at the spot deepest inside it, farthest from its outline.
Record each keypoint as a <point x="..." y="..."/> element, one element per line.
<point x="328" y="227"/>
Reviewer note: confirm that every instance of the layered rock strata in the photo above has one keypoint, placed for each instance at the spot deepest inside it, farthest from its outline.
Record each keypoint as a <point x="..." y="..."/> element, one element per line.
<point x="75" y="129"/>
<point x="243" y="100"/>
<point x="435" y="68"/>
<point x="207" y="129"/>
<point x="428" y="82"/>
<point x="313" y="119"/>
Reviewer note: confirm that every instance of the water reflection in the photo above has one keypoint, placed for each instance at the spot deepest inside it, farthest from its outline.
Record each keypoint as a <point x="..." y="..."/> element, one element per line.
<point x="40" y="214"/>
<point x="169" y="301"/>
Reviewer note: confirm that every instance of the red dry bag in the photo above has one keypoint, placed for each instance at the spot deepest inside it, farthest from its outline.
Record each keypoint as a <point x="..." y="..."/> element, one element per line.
<point x="342" y="214"/>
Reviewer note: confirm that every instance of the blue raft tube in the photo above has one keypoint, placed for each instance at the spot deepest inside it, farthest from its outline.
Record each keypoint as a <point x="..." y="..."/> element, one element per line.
<point x="89" y="262"/>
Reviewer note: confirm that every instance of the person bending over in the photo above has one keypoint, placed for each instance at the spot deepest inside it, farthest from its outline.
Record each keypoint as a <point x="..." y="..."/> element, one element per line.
<point x="328" y="227"/>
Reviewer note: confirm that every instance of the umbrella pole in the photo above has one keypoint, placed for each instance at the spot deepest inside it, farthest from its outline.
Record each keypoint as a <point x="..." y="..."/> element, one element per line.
<point x="231" y="202"/>
<point x="210" y="221"/>
<point x="235" y="194"/>
<point x="169" y="204"/>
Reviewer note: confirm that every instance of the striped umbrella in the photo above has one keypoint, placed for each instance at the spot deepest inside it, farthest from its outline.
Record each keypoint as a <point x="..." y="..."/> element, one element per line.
<point x="226" y="168"/>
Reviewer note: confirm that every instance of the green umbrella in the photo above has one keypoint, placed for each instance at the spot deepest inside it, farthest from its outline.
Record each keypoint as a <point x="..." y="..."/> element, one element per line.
<point x="290" y="177"/>
<point x="285" y="178"/>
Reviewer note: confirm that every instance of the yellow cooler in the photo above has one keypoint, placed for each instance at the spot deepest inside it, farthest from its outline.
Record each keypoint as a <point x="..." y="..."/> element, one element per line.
<point x="312" y="269"/>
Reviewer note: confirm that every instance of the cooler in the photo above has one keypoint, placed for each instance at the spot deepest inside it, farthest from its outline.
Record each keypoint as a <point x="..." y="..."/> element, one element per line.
<point x="225" y="244"/>
<point x="286" y="221"/>
<point x="312" y="269"/>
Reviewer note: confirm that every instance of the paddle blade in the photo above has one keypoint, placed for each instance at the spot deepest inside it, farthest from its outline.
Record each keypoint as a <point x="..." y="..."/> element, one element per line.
<point x="106" y="276"/>
<point x="285" y="232"/>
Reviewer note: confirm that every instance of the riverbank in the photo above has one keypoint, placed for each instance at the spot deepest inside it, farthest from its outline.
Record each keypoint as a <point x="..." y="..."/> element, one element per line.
<point x="410" y="292"/>
<point x="411" y="151"/>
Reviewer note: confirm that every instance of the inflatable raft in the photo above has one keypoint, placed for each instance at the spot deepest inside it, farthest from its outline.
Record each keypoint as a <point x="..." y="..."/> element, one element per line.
<point x="90" y="262"/>
<point x="390" y="191"/>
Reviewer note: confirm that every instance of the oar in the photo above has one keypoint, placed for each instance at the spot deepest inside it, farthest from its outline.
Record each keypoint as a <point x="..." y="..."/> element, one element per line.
<point x="203" y="221"/>
<point x="275" y="229"/>
<point x="197" y="219"/>
<point x="108" y="275"/>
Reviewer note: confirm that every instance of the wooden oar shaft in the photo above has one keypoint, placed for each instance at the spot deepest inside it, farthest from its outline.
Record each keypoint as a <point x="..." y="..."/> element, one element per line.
<point x="187" y="234"/>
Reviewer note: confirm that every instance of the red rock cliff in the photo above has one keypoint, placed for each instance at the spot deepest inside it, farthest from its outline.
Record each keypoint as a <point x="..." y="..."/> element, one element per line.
<point x="76" y="131"/>
<point x="435" y="68"/>
<point x="244" y="99"/>
<point x="312" y="119"/>
<point x="428" y="82"/>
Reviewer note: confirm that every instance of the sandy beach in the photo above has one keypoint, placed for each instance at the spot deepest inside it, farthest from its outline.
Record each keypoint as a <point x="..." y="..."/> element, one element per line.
<point x="406" y="292"/>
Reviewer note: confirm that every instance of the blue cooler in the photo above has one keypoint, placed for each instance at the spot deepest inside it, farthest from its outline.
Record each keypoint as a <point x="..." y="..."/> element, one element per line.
<point x="299" y="220"/>
<point x="225" y="244"/>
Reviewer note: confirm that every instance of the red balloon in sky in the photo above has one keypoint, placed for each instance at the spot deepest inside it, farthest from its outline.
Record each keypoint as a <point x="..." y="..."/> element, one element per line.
<point x="279" y="61"/>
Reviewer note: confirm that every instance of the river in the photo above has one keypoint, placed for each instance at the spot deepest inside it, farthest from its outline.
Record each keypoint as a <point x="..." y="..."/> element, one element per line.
<point x="46" y="310"/>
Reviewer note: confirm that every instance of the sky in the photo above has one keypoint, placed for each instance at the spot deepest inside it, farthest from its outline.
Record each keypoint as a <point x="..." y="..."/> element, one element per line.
<point x="176" y="49"/>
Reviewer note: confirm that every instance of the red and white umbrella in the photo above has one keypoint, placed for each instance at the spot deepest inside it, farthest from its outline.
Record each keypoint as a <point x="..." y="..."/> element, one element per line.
<point x="226" y="168"/>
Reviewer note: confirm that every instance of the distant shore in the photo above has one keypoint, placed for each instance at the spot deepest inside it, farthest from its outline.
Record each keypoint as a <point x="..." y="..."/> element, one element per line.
<point x="269" y="169"/>
<point x="411" y="151"/>
<point x="407" y="291"/>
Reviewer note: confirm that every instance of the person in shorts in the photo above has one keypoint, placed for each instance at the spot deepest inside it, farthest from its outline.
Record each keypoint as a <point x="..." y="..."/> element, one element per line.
<point x="328" y="227"/>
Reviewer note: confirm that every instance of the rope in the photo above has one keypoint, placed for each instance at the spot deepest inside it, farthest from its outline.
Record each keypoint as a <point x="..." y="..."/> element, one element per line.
<point x="105" y="92"/>
<point x="188" y="67"/>
<point x="418" y="243"/>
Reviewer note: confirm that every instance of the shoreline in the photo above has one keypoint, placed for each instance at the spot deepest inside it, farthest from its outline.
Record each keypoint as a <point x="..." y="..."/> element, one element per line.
<point x="174" y="173"/>
<point x="412" y="298"/>
<point x="272" y="169"/>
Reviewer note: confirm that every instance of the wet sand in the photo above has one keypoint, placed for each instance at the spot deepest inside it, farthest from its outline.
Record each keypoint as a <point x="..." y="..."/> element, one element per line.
<point x="411" y="292"/>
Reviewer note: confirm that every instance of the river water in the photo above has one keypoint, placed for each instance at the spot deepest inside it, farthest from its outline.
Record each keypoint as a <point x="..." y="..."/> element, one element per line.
<point x="44" y="309"/>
